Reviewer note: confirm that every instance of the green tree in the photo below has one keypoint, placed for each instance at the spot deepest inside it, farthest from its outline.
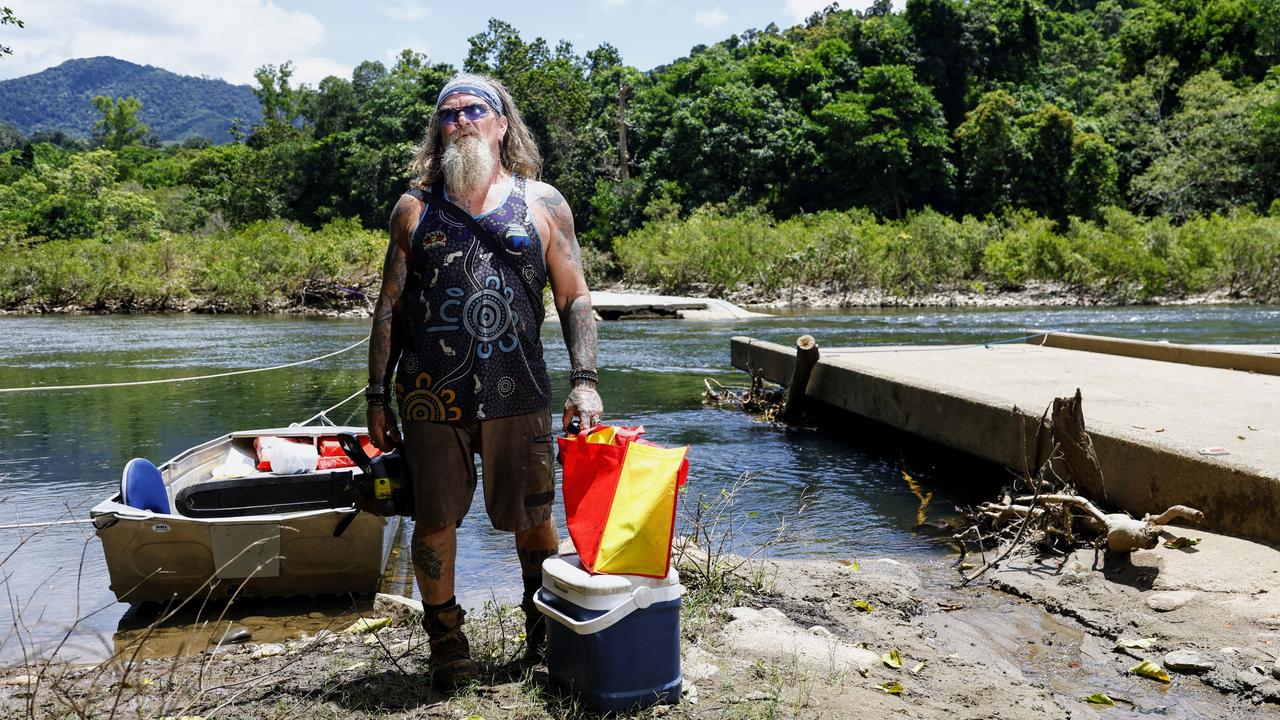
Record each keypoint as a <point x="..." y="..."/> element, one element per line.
<point x="1050" y="135"/>
<point x="885" y="146"/>
<point x="1206" y="166"/>
<point x="1264" y="127"/>
<point x="946" y="61"/>
<point x="119" y="126"/>
<point x="280" y="104"/>
<point x="1091" y="180"/>
<point x="8" y="18"/>
<point x="10" y="137"/>
<point x="991" y="154"/>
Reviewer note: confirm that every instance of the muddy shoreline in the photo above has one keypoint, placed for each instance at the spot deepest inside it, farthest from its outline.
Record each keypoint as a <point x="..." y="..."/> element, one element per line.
<point x="776" y="638"/>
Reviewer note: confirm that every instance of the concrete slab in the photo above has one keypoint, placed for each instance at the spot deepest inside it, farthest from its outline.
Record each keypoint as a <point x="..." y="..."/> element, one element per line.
<point x="1154" y="423"/>
<point x="614" y="306"/>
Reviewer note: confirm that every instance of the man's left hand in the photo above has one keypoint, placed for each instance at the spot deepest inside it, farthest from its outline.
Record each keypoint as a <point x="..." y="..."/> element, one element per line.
<point x="584" y="402"/>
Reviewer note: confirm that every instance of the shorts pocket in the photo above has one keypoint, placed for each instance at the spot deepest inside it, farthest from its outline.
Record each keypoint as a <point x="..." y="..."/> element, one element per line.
<point x="540" y="487"/>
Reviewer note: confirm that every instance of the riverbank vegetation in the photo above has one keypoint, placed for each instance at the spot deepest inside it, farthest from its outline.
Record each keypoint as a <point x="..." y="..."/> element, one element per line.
<point x="1130" y="149"/>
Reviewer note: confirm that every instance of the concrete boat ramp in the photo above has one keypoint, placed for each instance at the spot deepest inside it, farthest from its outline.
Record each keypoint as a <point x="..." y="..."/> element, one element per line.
<point x="1171" y="424"/>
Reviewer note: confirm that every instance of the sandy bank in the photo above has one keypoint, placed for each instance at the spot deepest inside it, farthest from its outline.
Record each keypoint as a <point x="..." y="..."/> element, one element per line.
<point x="785" y="638"/>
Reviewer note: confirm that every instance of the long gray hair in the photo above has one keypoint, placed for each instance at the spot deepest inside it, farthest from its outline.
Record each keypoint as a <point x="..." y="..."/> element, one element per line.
<point x="518" y="151"/>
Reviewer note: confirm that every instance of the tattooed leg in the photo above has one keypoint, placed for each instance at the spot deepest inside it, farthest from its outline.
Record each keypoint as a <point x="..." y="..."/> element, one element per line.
<point x="434" y="551"/>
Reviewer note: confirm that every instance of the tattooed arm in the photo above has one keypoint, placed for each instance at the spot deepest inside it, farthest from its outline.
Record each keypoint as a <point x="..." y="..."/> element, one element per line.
<point x="384" y="347"/>
<point x="573" y="303"/>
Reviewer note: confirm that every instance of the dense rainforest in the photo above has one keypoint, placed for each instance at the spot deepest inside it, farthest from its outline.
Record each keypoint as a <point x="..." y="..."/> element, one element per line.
<point x="1132" y="146"/>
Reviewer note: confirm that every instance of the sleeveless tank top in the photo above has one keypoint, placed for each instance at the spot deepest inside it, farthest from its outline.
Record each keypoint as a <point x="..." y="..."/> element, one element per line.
<point x="470" y="338"/>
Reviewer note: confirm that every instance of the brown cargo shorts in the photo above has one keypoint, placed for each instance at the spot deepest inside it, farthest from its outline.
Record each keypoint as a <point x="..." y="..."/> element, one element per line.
<point x="516" y="459"/>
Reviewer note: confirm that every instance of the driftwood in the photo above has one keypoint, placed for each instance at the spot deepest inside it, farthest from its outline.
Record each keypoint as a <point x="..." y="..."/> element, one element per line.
<point x="759" y="399"/>
<point x="793" y="400"/>
<point x="1045" y="508"/>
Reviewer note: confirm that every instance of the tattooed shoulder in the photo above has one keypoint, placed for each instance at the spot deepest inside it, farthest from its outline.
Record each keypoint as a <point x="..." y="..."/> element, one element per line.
<point x="554" y="203"/>
<point x="406" y="210"/>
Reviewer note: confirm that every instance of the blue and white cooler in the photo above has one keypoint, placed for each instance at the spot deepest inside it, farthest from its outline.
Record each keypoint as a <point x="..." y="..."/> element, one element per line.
<point x="613" y="639"/>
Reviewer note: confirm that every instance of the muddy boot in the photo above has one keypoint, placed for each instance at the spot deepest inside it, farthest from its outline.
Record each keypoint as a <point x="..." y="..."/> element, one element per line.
<point x="535" y="625"/>
<point x="450" y="660"/>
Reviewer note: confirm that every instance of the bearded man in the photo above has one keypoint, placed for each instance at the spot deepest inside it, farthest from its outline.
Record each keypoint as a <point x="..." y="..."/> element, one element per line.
<point x="458" y="319"/>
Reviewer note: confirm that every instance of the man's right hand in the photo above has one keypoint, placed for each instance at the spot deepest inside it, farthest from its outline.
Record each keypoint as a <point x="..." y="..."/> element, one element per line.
<point x="383" y="431"/>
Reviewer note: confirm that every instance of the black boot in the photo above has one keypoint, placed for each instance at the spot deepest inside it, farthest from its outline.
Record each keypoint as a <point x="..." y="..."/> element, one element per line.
<point x="450" y="661"/>
<point x="535" y="624"/>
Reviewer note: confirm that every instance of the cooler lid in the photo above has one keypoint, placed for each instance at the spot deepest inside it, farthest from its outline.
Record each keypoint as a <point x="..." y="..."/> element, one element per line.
<point x="568" y="574"/>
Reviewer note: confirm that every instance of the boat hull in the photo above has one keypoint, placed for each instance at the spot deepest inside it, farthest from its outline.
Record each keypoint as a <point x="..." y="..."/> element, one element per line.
<point x="167" y="557"/>
<point x="162" y="558"/>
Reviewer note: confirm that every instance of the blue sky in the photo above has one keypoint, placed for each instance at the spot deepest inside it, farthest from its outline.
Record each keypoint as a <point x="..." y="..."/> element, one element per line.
<point x="230" y="38"/>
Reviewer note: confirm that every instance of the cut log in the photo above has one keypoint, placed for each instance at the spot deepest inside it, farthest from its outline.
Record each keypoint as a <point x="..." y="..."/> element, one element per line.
<point x="806" y="358"/>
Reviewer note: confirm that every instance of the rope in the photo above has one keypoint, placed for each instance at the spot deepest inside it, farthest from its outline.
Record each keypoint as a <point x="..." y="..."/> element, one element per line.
<point x="323" y="414"/>
<point x="183" y="379"/>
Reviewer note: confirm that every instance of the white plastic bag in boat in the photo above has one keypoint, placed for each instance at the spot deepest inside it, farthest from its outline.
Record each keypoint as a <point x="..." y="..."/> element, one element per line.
<point x="287" y="457"/>
<point x="234" y="465"/>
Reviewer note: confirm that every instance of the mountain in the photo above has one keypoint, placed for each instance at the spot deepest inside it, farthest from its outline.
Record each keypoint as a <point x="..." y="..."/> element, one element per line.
<point x="174" y="106"/>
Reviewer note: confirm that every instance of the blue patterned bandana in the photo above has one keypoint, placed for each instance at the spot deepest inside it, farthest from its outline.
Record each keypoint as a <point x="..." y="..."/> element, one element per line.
<point x="471" y="85"/>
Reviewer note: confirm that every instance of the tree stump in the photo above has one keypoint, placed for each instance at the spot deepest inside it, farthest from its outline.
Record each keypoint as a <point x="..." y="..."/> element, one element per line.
<point x="793" y="401"/>
<point x="1078" y="456"/>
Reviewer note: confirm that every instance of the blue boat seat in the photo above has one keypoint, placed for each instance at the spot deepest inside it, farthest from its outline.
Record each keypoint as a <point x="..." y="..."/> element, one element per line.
<point x="142" y="487"/>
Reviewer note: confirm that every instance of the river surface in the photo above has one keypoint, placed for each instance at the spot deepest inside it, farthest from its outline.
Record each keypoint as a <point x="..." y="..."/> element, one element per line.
<point x="836" y="491"/>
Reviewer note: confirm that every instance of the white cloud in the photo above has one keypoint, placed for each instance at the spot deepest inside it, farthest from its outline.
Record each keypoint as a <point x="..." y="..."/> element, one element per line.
<point x="404" y="11"/>
<point x="711" y="18"/>
<point x="228" y="39"/>
<point x="610" y="4"/>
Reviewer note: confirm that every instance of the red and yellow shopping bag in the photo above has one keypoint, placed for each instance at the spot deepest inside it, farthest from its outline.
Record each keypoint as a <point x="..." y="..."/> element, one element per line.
<point x="620" y="499"/>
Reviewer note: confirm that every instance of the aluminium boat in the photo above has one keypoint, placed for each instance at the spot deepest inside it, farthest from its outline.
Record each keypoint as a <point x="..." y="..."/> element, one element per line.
<point x="210" y="523"/>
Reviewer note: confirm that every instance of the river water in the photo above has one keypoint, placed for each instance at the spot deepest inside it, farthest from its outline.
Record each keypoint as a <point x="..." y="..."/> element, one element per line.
<point x="839" y="490"/>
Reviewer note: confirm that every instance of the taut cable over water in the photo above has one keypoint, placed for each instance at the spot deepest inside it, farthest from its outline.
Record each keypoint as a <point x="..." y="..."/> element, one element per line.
<point x="162" y="381"/>
<point x="322" y="415"/>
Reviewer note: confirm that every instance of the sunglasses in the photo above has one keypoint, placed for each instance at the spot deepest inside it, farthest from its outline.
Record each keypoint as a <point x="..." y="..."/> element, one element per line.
<point x="474" y="112"/>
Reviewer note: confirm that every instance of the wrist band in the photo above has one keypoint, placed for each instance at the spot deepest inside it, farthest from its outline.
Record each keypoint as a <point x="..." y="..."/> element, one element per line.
<point x="583" y="374"/>
<point x="375" y="394"/>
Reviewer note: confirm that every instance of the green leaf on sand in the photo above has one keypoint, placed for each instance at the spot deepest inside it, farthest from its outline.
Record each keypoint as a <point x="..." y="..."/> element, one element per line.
<point x="1100" y="699"/>
<point x="1181" y="542"/>
<point x="1148" y="669"/>
<point x="893" y="688"/>
<point x="893" y="658"/>
<point x="854" y="565"/>
<point x="862" y="605"/>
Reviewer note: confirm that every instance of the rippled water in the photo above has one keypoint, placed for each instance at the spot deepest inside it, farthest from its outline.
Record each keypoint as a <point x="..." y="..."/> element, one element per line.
<point x="839" y="489"/>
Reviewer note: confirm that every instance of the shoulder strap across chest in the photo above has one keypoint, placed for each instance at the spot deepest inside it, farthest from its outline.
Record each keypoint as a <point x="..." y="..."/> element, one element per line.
<point x="436" y="198"/>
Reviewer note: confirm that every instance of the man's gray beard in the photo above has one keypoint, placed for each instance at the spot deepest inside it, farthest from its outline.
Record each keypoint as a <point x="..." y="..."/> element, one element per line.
<point x="467" y="165"/>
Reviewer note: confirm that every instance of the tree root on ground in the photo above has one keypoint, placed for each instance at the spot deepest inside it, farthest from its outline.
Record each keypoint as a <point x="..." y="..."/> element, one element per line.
<point x="1046" y="511"/>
